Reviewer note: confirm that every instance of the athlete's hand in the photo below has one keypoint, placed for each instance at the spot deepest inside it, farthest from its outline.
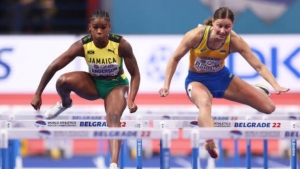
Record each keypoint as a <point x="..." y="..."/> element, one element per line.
<point x="36" y="102"/>
<point x="163" y="92"/>
<point x="132" y="107"/>
<point x="280" y="89"/>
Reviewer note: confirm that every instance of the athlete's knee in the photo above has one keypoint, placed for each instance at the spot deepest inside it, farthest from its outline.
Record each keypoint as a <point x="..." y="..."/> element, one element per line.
<point x="113" y="119"/>
<point x="204" y="102"/>
<point x="269" y="108"/>
<point x="62" y="80"/>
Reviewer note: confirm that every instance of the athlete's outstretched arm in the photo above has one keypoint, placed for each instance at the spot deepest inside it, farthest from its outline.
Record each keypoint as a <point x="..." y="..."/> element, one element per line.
<point x="239" y="45"/>
<point x="126" y="52"/>
<point x="185" y="45"/>
<point x="75" y="50"/>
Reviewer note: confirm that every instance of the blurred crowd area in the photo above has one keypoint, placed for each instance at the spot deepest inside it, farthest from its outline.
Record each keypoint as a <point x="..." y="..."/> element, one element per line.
<point x="45" y="16"/>
<point x="137" y="17"/>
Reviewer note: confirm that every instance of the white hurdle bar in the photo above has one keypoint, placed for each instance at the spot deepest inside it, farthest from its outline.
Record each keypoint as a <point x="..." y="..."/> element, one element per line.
<point x="271" y="125"/>
<point x="68" y="123"/>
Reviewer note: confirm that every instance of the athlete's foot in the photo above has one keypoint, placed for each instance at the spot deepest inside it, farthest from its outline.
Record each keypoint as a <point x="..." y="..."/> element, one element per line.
<point x="211" y="148"/>
<point x="54" y="111"/>
<point x="264" y="88"/>
<point x="113" y="166"/>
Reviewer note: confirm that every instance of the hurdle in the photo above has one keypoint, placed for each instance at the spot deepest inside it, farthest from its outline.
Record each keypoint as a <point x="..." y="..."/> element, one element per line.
<point x="194" y="134"/>
<point x="46" y="124"/>
<point x="103" y="133"/>
<point x="223" y="122"/>
<point x="217" y="133"/>
<point x="241" y="124"/>
<point x="68" y="123"/>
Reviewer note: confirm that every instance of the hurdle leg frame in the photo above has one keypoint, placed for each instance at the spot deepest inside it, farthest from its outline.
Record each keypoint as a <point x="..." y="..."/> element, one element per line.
<point x="294" y="154"/>
<point x="265" y="154"/>
<point x="4" y="149"/>
<point x="236" y="153"/>
<point x="162" y="126"/>
<point x="121" y="160"/>
<point x="195" y="148"/>
<point x="166" y="144"/>
<point x="248" y="154"/>
<point x="221" y="153"/>
<point x="139" y="149"/>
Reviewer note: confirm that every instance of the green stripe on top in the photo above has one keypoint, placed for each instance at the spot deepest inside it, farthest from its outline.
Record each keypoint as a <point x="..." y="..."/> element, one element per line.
<point x="115" y="38"/>
<point x="87" y="39"/>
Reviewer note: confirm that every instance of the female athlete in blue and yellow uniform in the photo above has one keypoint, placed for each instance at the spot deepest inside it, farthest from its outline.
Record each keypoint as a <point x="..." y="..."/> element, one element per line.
<point x="104" y="54"/>
<point x="208" y="78"/>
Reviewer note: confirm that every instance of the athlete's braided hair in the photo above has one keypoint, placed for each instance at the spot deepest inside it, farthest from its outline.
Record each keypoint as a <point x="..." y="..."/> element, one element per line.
<point x="101" y="14"/>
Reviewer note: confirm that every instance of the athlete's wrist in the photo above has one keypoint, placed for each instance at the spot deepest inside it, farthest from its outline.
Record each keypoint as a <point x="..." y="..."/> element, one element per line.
<point x="38" y="94"/>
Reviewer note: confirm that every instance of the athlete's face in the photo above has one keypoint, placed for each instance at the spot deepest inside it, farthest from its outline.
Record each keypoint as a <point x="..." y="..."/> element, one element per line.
<point x="99" y="28"/>
<point x="222" y="27"/>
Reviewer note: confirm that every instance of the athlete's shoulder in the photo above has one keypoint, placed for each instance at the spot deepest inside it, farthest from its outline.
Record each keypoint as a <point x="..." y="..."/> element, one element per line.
<point x="86" y="39"/>
<point x="237" y="42"/>
<point x="115" y="38"/>
<point x="234" y="36"/>
<point x="195" y="32"/>
<point x="194" y="35"/>
<point x="201" y="29"/>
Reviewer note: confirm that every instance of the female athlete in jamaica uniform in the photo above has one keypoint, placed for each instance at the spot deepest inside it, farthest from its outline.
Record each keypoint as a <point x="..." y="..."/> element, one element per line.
<point x="104" y="54"/>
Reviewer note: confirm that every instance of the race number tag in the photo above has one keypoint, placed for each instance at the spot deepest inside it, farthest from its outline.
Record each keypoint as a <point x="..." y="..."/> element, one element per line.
<point x="205" y="64"/>
<point x="104" y="70"/>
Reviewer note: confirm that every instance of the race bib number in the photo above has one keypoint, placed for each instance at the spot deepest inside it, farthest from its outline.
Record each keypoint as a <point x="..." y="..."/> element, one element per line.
<point x="104" y="70"/>
<point x="207" y="64"/>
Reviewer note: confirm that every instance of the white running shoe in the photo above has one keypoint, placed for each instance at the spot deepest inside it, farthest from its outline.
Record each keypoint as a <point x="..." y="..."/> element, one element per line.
<point x="113" y="166"/>
<point x="263" y="88"/>
<point x="54" y="111"/>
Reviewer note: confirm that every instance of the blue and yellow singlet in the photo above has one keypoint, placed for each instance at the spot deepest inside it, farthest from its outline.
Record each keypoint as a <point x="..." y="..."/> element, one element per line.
<point x="204" y="59"/>
<point x="105" y="61"/>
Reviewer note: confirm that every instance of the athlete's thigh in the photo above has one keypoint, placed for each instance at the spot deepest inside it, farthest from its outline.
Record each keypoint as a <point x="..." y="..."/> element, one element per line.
<point x="115" y="102"/>
<point x="242" y="92"/>
<point x="82" y="84"/>
<point x="199" y="94"/>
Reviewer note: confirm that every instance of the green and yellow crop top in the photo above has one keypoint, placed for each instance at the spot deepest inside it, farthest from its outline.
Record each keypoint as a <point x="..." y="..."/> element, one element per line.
<point x="105" y="61"/>
<point x="204" y="59"/>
